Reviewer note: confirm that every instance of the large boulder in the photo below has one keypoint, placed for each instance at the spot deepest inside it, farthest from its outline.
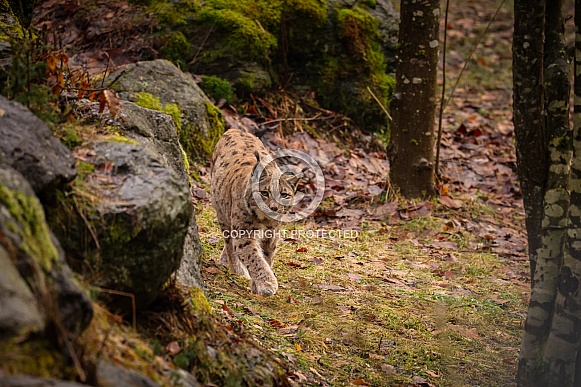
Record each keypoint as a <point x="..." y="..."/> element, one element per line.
<point x="157" y="131"/>
<point x="161" y="83"/>
<point x="125" y="223"/>
<point x="30" y="148"/>
<point x="36" y="283"/>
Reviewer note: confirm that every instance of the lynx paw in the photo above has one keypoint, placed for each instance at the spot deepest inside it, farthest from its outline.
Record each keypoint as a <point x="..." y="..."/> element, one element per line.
<point x="266" y="288"/>
<point x="224" y="257"/>
<point x="238" y="268"/>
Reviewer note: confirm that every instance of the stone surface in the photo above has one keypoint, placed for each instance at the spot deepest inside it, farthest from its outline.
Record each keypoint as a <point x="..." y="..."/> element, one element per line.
<point x="129" y="235"/>
<point x="165" y="81"/>
<point x="154" y="130"/>
<point x="19" y="312"/>
<point x="157" y="131"/>
<point x="36" y="254"/>
<point x="29" y="147"/>
<point x="33" y="381"/>
<point x="108" y="375"/>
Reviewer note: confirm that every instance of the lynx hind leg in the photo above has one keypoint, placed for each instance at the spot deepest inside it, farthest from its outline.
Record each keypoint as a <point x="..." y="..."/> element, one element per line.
<point x="263" y="281"/>
<point x="224" y="256"/>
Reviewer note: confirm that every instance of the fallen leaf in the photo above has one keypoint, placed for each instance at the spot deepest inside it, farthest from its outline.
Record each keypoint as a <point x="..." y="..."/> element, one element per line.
<point x="212" y="270"/>
<point x="295" y="265"/>
<point x="354" y="277"/>
<point x="275" y="323"/>
<point x="419" y="381"/>
<point x="302" y="250"/>
<point x="298" y="347"/>
<point x="173" y="348"/>
<point x="449" y="202"/>
<point x="317" y="261"/>
<point x="333" y="288"/>
<point x="359" y="382"/>
<point x="388" y="369"/>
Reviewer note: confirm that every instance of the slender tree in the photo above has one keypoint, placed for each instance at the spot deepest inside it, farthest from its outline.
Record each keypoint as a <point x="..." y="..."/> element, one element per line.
<point x="549" y="158"/>
<point x="411" y="150"/>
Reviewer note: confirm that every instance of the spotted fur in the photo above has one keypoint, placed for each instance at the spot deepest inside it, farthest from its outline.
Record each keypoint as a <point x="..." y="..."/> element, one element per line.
<point x="236" y="155"/>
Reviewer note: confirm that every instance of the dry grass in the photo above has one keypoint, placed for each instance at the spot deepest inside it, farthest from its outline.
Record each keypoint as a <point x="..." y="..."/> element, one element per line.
<point x="381" y="309"/>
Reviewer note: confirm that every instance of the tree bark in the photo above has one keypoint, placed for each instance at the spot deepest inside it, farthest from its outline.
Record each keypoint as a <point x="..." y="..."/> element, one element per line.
<point x="529" y="122"/>
<point x="411" y="150"/>
<point x="550" y="342"/>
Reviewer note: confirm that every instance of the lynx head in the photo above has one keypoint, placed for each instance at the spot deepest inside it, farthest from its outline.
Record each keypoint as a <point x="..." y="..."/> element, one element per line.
<point x="273" y="191"/>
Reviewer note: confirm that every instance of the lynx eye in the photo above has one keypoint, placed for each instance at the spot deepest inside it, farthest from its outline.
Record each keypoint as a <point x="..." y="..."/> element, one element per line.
<point x="264" y="194"/>
<point x="285" y="196"/>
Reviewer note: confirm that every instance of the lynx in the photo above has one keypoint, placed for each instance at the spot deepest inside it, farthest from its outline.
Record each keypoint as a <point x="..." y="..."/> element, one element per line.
<point x="250" y="235"/>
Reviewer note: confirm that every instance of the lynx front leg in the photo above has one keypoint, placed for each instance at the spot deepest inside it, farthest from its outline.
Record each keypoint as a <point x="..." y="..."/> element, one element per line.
<point x="249" y="251"/>
<point x="269" y="248"/>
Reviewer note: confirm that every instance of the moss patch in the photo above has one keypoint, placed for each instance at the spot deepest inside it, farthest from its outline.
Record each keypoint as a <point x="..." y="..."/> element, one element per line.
<point x="217" y="88"/>
<point x="285" y="41"/>
<point x="198" y="145"/>
<point x="31" y="226"/>
<point x="36" y="357"/>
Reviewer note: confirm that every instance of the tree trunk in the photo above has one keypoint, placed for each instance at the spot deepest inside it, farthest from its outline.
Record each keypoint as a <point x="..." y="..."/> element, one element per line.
<point x="551" y="339"/>
<point x="411" y="150"/>
<point x="529" y="120"/>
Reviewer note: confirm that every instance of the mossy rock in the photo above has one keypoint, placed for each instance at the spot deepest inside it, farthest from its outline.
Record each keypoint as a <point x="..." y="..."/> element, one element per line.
<point x="30" y="246"/>
<point x="161" y="86"/>
<point x="341" y="49"/>
<point x="126" y="222"/>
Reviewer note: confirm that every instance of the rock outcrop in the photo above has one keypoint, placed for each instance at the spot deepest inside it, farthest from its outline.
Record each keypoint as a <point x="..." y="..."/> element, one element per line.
<point x="126" y="223"/>
<point x="30" y="148"/>
<point x="37" y="285"/>
<point x="199" y="122"/>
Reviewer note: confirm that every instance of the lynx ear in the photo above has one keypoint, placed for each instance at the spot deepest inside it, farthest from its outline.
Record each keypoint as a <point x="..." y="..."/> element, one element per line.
<point x="264" y="171"/>
<point x="293" y="179"/>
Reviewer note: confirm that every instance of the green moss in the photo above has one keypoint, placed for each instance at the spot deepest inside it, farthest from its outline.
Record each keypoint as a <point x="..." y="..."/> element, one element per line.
<point x="148" y="101"/>
<point x="84" y="169"/>
<point x="35" y="357"/>
<point x="175" y="112"/>
<point x="114" y="137"/>
<point x="176" y="49"/>
<point x="68" y="134"/>
<point x="199" y="302"/>
<point x="32" y="228"/>
<point x="198" y="145"/>
<point x="368" y="3"/>
<point x="217" y="127"/>
<point x="245" y="36"/>
<point x="347" y="75"/>
<point x="217" y="88"/>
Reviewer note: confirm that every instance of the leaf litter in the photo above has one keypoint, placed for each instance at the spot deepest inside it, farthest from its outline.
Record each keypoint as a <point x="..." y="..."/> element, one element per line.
<point x="430" y="293"/>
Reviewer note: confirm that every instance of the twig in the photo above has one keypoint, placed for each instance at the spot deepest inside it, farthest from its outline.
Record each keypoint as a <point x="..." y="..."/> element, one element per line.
<point x="202" y="45"/>
<point x="472" y="53"/>
<point x="441" y="115"/>
<point x="293" y="119"/>
<point x="444" y="105"/>
<point x="106" y="68"/>
<point x="130" y="295"/>
<point x="380" y="104"/>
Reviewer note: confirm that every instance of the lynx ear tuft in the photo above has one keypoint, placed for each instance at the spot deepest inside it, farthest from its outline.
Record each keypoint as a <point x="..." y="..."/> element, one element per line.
<point x="257" y="155"/>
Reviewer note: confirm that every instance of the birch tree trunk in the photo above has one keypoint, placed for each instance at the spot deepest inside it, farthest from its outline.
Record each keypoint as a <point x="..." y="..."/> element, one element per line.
<point x="550" y="342"/>
<point x="411" y="150"/>
<point x="528" y="115"/>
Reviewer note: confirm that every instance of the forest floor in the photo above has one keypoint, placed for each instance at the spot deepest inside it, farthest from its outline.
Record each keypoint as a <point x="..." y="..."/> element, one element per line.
<point x="429" y="293"/>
